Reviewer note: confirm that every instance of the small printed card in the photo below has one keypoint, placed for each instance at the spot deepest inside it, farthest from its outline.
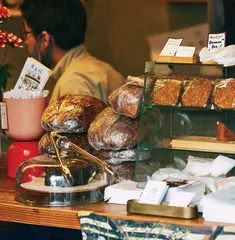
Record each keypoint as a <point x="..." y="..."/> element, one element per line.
<point x="216" y="40"/>
<point x="4" y="122"/>
<point x="171" y="47"/>
<point x="154" y="192"/>
<point x="182" y="199"/>
<point x="185" y="51"/>
<point x="33" y="76"/>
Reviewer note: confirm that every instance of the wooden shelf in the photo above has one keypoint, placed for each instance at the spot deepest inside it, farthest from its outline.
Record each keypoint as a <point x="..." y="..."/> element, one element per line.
<point x="203" y="144"/>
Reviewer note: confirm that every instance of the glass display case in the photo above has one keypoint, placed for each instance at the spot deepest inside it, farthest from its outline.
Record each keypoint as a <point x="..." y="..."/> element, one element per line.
<point x="178" y="129"/>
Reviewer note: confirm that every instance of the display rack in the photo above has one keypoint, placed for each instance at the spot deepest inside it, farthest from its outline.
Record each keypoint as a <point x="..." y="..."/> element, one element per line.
<point x="175" y="132"/>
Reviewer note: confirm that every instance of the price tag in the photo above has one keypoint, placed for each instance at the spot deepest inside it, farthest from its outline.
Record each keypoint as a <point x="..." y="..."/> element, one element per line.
<point x="3" y="108"/>
<point x="216" y="40"/>
<point x="154" y="192"/>
<point x="171" y="46"/>
<point x="185" y="51"/>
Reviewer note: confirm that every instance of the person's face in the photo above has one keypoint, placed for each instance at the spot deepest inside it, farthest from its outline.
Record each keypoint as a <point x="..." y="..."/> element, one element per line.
<point x="29" y="38"/>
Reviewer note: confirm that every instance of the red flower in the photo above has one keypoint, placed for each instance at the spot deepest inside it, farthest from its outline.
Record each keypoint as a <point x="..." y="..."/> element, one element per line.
<point x="4" y="12"/>
<point x="7" y="41"/>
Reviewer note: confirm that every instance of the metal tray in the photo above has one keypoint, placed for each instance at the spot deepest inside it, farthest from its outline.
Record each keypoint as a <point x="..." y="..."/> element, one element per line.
<point x="162" y="210"/>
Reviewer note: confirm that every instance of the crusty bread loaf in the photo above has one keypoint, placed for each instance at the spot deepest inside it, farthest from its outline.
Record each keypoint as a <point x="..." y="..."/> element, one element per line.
<point x="72" y="113"/>
<point x="45" y="145"/>
<point x="126" y="100"/>
<point x="224" y="94"/>
<point x="197" y="92"/>
<point x="112" y="131"/>
<point x="117" y="157"/>
<point x="167" y="92"/>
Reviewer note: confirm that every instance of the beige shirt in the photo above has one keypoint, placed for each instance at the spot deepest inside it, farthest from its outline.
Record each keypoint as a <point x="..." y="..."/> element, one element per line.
<point x="80" y="72"/>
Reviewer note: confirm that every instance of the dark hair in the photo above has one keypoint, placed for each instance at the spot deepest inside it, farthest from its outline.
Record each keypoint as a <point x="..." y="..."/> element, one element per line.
<point x="65" y="20"/>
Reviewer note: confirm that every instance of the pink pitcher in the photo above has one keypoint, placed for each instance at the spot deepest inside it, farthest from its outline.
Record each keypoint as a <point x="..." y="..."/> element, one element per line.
<point x="24" y="118"/>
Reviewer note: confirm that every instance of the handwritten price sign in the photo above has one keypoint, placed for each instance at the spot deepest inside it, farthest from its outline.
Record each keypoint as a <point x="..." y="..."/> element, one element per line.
<point x="216" y="40"/>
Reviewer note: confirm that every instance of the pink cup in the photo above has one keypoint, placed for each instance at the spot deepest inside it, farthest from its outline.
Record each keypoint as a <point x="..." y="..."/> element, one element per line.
<point x="24" y="118"/>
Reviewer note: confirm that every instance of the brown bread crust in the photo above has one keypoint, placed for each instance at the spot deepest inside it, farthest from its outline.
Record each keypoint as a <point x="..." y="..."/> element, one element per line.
<point x="197" y="92"/>
<point x="126" y="100"/>
<point x="166" y="92"/>
<point x="112" y="131"/>
<point x="224" y="94"/>
<point x="73" y="113"/>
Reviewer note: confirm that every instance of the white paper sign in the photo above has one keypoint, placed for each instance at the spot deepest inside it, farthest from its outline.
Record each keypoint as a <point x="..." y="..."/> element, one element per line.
<point x="33" y="76"/>
<point x="154" y="192"/>
<point x="185" y="51"/>
<point x="182" y="199"/>
<point x="171" y="46"/>
<point x="216" y="40"/>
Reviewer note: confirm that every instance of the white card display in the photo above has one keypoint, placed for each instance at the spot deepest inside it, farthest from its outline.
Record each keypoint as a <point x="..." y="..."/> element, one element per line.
<point x="185" y="51"/>
<point x="33" y="76"/>
<point x="216" y="40"/>
<point x="182" y="199"/>
<point x="170" y="47"/>
<point x="154" y="192"/>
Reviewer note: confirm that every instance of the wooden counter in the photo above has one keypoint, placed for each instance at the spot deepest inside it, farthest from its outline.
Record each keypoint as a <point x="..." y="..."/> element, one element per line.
<point x="65" y="217"/>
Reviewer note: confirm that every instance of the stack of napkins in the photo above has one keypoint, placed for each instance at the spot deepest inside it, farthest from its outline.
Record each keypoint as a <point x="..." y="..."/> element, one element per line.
<point x="219" y="206"/>
<point x="121" y="192"/>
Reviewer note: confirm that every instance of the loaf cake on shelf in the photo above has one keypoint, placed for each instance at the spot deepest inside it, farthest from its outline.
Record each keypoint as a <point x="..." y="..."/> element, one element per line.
<point x="197" y="92"/>
<point x="167" y="91"/>
<point x="224" y="94"/>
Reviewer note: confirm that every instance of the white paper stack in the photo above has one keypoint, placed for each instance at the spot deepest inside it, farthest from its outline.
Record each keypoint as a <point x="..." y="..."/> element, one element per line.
<point x="121" y="192"/>
<point x="192" y="186"/>
<point x="219" y="206"/>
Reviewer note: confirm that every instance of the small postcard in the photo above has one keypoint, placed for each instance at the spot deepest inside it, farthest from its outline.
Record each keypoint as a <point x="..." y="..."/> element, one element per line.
<point x="154" y="192"/>
<point x="216" y="40"/>
<point x="171" y="46"/>
<point x="33" y="76"/>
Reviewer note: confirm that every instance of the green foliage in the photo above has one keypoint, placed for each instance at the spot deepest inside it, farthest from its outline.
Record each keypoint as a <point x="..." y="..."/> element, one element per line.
<point x="4" y="75"/>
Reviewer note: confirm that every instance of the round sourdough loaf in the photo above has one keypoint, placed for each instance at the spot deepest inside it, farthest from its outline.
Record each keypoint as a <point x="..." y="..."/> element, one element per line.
<point x="72" y="113"/>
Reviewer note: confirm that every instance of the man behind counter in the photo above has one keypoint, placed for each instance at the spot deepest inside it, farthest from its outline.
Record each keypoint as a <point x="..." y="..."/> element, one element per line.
<point x="54" y="31"/>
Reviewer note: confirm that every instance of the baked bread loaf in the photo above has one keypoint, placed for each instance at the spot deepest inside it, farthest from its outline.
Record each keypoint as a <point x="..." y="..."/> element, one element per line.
<point x="197" y="92"/>
<point x="117" y="157"/>
<point x="224" y="94"/>
<point x="167" y="92"/>
<point x="110" y="131"/>
<point x="45" y="145"/>
<point x="125" y="170"/>
<point x="72" y="113"/>
<point x="126" y="100"/>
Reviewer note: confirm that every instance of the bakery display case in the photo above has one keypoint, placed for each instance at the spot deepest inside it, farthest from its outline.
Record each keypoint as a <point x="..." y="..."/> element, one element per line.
<point x="190" y="113"/>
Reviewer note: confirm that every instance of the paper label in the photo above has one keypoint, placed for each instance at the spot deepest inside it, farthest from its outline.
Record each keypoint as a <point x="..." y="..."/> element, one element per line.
<point x="216" y="40"/>
<point x="154" y="192"/>
<point x="185" y="51"/>
<point x="171" y="46"/>
<point x="33" y="76"/>
<point x="182" y="199"/>
<point x="3" y="108"/>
